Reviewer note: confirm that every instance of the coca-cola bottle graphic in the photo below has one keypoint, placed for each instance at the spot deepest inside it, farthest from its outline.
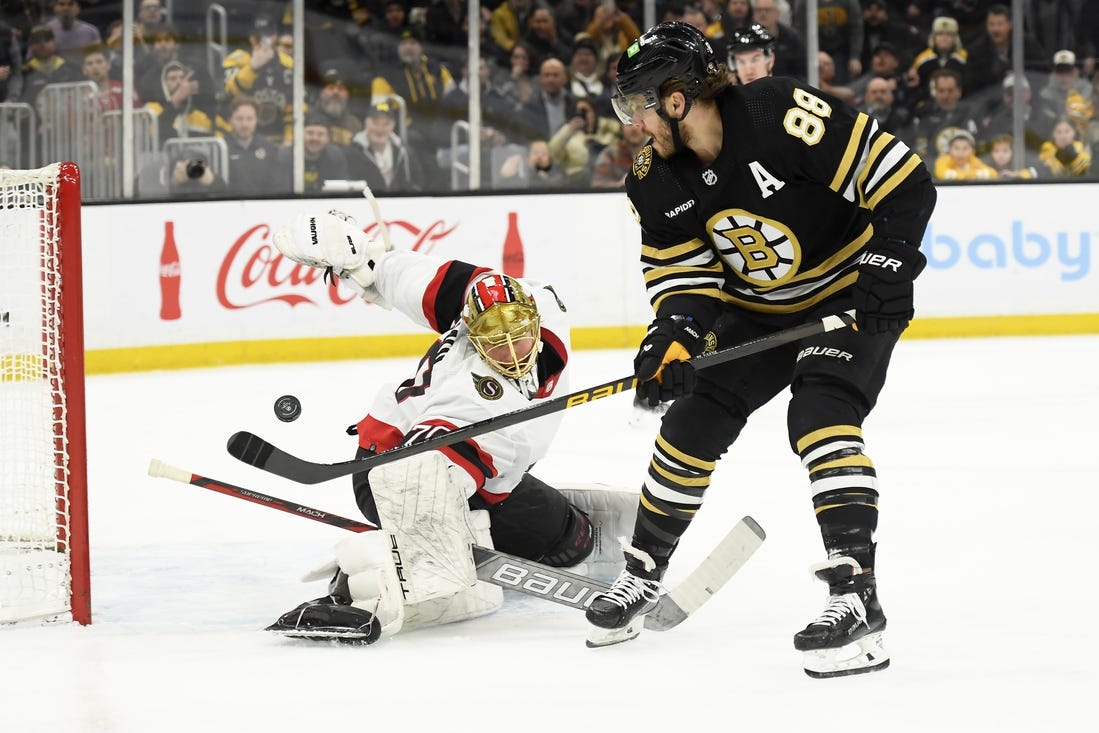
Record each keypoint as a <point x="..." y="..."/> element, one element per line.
<point x="514" y="261"/>
<point x="169" y="275"/>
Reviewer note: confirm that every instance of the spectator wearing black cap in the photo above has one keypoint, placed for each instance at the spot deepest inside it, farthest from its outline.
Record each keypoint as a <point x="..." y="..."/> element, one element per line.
<point x="45" y="65"/>
<point x="380" y="40"/>
<point x="879" y="26"/>
<point x="424" y="84"/>
<point x="378" y="156"/>
<point x="266" y="76"/>
<point x="333" y="105"/>
<point x="885" y="63"/>
<point x="323" y="160"/>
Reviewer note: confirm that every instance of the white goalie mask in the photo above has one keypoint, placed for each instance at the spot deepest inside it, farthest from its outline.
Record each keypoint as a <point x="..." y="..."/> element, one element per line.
<point x="504" y="325"/>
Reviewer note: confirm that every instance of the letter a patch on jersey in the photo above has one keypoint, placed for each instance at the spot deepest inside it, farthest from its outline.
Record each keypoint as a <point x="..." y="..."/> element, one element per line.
<point x="767" y="183"/>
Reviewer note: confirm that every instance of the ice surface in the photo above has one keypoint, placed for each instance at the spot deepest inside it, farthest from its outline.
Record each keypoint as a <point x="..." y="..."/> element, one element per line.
<point x="985" y="451"/>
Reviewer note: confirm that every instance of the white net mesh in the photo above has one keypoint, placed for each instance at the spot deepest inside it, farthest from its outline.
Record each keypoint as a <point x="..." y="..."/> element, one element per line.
<point x="34" y="502"/>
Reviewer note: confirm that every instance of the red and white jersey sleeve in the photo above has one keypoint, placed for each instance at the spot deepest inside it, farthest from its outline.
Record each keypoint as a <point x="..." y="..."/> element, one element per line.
<point x="453" y="386"/>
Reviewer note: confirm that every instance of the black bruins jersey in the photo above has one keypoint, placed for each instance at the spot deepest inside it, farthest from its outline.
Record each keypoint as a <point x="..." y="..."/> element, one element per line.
<point x="776" y="224"/>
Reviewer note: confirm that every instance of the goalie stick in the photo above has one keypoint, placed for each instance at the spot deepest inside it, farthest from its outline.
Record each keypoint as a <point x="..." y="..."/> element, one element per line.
<point x="526" y="576"/>
<point x="255" y="451"/>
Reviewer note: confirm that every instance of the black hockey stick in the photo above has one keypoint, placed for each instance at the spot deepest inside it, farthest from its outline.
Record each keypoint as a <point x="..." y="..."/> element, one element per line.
<point x="526" y="576"/>
<point x="255" y="451"/>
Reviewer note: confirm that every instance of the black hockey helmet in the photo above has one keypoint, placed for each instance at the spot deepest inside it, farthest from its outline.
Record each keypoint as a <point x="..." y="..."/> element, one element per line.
<point x="666" y="51"/>
<point x="751" y="38"/>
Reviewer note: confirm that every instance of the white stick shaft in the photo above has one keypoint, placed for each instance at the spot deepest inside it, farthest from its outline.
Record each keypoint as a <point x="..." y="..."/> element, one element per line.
<point x="377" y="215"/>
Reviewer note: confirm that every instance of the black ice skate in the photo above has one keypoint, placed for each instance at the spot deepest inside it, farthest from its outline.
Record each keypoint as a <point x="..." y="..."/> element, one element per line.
<point x="329" y="618"/>
<point x="618" y="615"/>
<point x="847" y="637"/>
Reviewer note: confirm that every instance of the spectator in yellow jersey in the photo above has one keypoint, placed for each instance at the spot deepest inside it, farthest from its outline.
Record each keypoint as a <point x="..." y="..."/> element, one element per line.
<point x="1063" y="155"/>
<point x="265" y="76"/>
<point x="1002" y="159"/>
<point x="960" y="162"/>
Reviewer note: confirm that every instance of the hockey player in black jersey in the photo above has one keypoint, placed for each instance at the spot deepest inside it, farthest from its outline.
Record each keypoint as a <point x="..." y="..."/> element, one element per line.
<point x="762" y="207"/>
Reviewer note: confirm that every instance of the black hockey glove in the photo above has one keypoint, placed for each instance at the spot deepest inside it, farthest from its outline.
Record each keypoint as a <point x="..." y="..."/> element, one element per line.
<point x="883" y="292"/>
<point x="662" y="365"/>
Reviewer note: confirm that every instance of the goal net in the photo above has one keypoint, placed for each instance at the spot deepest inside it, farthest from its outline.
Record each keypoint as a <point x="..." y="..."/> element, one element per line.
<point x="43" y="507"/>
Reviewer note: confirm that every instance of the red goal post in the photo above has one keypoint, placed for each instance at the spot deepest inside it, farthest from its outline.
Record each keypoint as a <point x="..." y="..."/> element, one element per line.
<point x="44" y="567"/>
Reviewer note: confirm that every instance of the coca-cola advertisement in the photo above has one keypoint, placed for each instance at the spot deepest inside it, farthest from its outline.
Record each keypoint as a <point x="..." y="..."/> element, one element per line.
<point x="169" y="275"/>
<point x="214" y="280"/>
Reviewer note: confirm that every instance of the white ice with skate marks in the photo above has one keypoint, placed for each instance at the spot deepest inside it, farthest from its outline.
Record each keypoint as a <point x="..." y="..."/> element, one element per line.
<point x="986" y="547"/>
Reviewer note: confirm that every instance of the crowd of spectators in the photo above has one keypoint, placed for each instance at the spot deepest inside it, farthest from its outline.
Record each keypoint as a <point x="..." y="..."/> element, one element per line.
<point x="386" y="83"/>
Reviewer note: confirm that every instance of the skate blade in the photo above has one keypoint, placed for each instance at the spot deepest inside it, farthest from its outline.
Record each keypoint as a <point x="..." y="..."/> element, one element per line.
<point x="859" y="657"/>
<point x="599" y="637"/>
<point x="323" y="633"/>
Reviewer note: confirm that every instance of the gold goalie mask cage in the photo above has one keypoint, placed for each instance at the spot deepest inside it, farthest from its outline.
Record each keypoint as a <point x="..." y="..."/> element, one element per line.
<point x="504" y="325"/>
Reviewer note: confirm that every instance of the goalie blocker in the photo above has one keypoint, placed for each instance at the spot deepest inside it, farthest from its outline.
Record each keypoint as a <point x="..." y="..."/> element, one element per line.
<point x="420" y="571"/>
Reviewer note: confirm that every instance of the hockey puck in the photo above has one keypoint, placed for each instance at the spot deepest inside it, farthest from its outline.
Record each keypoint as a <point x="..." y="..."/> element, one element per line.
<point x="287" y="408"/>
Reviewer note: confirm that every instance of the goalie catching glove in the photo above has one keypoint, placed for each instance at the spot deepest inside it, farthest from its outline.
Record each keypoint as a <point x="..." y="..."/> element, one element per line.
<point x="662" y="365"/>
<point x="883" y="292"/>
<point x="334" y="242"/>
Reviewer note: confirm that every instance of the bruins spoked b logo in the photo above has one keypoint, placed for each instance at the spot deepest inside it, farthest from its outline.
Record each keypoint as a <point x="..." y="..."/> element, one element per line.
<point x="643" y="162"/>
<point x="764" y="252"/>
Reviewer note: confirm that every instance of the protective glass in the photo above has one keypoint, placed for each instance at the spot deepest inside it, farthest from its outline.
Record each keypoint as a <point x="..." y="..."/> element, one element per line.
<point x="629" y="107"/>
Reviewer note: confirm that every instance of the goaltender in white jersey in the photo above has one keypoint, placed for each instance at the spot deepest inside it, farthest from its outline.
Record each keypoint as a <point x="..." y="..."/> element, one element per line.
<point x="454" y="385"/>
<point x="503" y="344"/>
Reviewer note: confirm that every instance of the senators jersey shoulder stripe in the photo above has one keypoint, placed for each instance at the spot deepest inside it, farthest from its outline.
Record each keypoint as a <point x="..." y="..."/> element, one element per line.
<point x="777" y="222"/>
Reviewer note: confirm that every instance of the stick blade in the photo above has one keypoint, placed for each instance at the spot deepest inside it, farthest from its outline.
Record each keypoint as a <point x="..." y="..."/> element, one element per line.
<point x="249" y="448"/>
<point x="708" y="578"/>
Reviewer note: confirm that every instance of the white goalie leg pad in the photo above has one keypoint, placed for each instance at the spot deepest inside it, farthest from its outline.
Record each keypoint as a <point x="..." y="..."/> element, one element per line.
<point x="421" y="500"/>
<point x="481" y="599"/>
<point x="372" y="578"/>
<point x="612" y="512"/>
